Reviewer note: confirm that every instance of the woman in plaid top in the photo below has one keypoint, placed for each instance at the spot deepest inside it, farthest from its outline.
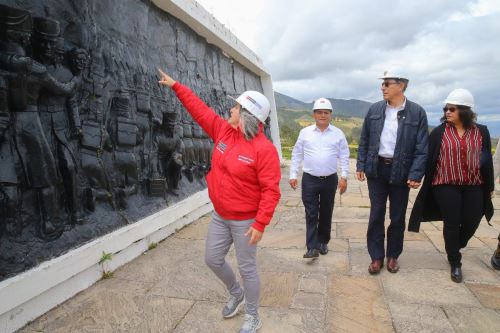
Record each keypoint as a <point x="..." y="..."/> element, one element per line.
<point x="459" y="178"/>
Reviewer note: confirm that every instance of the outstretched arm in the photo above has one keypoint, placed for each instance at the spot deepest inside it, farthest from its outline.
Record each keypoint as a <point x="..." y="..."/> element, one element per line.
<point x="207" y="118"/>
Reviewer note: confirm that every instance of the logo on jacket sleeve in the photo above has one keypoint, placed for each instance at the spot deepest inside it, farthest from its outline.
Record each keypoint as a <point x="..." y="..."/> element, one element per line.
<point x="245" y="159"/>
<point x="221" y="146"/>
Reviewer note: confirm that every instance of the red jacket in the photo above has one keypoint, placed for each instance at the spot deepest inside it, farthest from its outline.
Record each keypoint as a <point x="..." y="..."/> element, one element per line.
<point x="243" y="182"/>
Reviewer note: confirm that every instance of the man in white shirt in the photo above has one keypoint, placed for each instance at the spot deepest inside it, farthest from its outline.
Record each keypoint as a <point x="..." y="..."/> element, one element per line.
<point x="392" y="153"/>
<point x="321" y="147"/>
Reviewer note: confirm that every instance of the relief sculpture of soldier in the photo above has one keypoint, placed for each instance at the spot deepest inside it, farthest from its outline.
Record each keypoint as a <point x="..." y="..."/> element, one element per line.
<point x="59" y="113"/>
<point x="125" y="137"/>
<point x="189" y="152"/>
<point x="171" y="150"/>
<point x="39" y="170"/>
<point x="9" y="217"/>
<point x="95" y="140"/>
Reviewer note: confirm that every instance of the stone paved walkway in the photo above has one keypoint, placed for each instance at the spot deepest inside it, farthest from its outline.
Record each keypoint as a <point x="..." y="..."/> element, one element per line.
<point x="169" y="288"/>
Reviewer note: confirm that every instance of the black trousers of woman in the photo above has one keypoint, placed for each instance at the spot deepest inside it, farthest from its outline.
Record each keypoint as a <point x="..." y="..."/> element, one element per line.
<point x="462" y="209"/>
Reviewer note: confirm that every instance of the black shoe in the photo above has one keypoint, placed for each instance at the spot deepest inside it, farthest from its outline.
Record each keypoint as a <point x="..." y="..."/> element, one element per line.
<point x="495" y="259"/>
<point x="456" y="274"/>
<point x="311" y="253"/>
<point x="323" y="248"/>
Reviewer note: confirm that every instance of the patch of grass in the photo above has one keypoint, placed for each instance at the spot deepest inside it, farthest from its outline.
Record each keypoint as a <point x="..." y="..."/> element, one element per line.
<point x="107" y="275"/>
<point x="105" y="257"/>
<point x="152" y="246"/>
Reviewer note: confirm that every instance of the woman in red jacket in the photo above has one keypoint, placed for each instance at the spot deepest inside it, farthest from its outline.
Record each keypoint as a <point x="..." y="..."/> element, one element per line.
<point x="243" y="184"/>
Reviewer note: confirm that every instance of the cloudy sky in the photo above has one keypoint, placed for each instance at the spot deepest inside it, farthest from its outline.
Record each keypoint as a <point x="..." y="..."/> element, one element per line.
<point x="338" y="48"/>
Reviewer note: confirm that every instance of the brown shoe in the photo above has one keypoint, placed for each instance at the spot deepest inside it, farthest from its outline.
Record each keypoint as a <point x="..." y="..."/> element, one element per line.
<point x="375" y="266"/>
<point x="392" y="265"/>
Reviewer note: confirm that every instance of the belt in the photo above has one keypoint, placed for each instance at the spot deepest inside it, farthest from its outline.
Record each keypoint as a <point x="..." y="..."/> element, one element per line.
<point x="51" y="108"/>
<point x="321" y="177"/>
<point x="385" y="160"/>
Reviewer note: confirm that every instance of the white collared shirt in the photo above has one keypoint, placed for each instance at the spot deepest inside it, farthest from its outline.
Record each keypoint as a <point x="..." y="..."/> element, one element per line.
<point x="320" y="152"/>
<point x="390" y="130"/>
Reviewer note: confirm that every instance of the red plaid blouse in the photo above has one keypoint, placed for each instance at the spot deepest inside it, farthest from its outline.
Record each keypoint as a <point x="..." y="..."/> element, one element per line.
<point x="459" y="158"/>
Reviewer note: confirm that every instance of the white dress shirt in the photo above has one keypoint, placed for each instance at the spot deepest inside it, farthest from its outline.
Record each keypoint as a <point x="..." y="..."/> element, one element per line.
<point x="320" y="152"/>
<point x="390" y="131"/>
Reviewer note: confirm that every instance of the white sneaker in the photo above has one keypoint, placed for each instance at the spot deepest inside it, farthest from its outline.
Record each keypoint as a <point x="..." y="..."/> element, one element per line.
<point x="251" y="324"/>
<point x="233" y="306"/>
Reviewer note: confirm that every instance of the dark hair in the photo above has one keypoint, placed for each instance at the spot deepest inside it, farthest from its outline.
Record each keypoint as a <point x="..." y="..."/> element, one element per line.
<point x="466" y="116"/>
<point x="404" y="81"/>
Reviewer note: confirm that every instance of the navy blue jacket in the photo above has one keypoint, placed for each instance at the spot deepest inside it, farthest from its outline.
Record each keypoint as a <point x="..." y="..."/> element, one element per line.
<point x="412" y="142"/>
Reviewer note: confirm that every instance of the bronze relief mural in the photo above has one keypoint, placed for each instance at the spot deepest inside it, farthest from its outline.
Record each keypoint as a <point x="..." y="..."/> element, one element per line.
<point x="89" y="142"/>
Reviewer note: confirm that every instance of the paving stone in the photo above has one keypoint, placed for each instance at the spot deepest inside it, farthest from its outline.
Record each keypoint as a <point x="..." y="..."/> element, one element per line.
<point x="488" y="295"/>
<point x="472" y="320"/>
<point x="491" y="243"/>
<point x="349" y="220"/>
<point x="161" y="261"/>
<point x="412" y="258"/>
<point x="292" y="321"/>
<point x="419" y="245"/>
<point x="475" y="242"/>
<point x="313" y="283"/>
<point x="359" y="259"/>
<point x="277" y="288"/>
<point x="338" y="245"/>
<point x="350" y="200"/>
<point x="426" y="286"/>
<point x="436" y="237"/>
<point x="484" y="230"/>
<point x="438" y="224"/>
<point x="350" y="212"/>
<point x="351" y="230"/>
<point x="427" y="226"/>
<point x="293" y="202"/>
<point x="308" y="301"/>
<point x="197" y="230"/>
<point x="413" y="236"/>
<point x="119" y="309"/>
<point x="206" y="316"/>
<point x="360" y="311"/>
<point x="291" y="216"/>
<point x="290" y="260"/>
<point x="419" y="318"/>
<point x="284" y="239"/>
<point x="186" y="275"/>
<point x="476" y="267"/>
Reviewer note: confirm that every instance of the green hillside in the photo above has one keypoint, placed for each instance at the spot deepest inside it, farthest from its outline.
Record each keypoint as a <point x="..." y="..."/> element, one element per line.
<point x="293" y="115"/>
<point x="291" y="121"/>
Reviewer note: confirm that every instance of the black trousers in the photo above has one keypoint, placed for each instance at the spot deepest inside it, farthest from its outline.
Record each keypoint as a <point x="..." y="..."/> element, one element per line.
<point x="318" y="196"/>
<point x="462" y="209"/>
<point x="379" y="190"/>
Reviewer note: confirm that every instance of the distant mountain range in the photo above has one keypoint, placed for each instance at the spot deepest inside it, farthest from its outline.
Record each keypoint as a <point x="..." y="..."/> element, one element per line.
<point x="341" y="107"/>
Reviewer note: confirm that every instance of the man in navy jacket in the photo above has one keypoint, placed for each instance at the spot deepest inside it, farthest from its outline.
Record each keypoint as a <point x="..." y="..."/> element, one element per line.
<point x="392" y="155"/>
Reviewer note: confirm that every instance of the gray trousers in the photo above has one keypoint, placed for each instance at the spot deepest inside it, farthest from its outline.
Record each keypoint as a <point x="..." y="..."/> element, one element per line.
<point x="221" y="234"/>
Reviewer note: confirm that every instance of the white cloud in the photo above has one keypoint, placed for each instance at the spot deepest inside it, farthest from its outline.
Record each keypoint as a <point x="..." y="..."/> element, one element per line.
<point x="338" y="49"/>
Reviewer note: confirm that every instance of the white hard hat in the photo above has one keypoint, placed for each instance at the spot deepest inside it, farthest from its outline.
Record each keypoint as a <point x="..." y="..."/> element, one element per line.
<point x="322" y="104"/>
<point x="460" y="97"/>
<point x="394" y="74"/>
<point x="256" y="103"/>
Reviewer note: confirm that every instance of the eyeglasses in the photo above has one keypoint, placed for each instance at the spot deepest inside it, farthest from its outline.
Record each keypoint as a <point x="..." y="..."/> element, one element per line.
<point x="452" y="109"/>
<point x="386" y="84"/>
